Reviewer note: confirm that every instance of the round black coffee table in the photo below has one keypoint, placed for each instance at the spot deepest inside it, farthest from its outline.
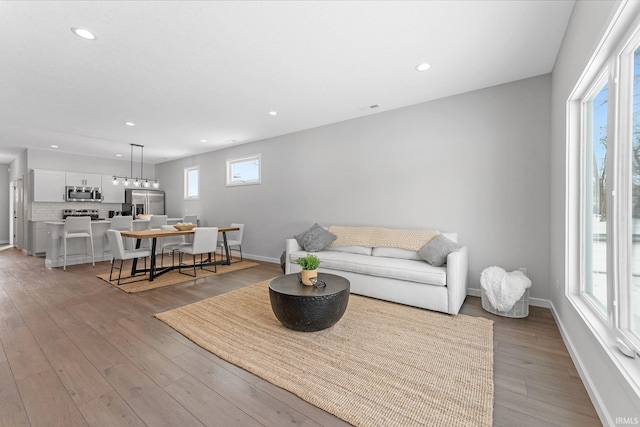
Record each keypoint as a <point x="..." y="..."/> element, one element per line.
<point x="309" y="308"/>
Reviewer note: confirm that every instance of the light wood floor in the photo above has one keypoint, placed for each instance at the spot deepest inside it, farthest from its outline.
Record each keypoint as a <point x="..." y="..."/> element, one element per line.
<point x="76" y="351"/>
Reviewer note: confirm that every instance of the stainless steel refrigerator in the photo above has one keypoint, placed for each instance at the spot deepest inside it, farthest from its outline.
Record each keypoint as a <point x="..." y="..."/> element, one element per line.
<point x="141" y="201"/>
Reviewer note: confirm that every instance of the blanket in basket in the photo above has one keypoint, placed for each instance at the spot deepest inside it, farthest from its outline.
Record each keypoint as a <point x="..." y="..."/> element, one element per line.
<point x="503" y="289"/>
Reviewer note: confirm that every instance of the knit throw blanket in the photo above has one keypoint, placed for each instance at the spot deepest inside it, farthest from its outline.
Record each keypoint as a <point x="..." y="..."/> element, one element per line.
<point x="375" y="237"/>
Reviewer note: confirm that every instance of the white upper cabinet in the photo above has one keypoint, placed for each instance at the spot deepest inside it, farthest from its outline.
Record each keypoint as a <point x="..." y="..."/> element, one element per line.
<point x="83" y="179"/>
<point x="48" y="186"/>
<point x="111" y="193"/>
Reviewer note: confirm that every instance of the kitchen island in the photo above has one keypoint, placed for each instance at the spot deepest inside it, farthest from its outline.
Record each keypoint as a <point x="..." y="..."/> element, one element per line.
<point x="75" y="247"/>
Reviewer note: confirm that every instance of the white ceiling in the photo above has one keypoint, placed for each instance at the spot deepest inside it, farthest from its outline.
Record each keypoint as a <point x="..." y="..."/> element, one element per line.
<point x="185" y="71"/>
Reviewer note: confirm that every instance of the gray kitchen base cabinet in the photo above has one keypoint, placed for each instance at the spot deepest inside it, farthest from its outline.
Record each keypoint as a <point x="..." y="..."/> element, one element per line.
<point x="38" y="238"/>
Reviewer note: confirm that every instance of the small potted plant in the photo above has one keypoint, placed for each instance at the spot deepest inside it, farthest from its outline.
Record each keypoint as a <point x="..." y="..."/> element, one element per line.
<point x="309" y="266"/>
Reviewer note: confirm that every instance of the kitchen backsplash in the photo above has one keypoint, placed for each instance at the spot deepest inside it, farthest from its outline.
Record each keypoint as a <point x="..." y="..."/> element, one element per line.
<point x="53" y="211"/>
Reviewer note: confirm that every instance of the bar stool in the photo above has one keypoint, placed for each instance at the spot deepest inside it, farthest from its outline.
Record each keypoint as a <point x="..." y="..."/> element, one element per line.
<point x="75" y="228"/>
<point x="120" y="223"/>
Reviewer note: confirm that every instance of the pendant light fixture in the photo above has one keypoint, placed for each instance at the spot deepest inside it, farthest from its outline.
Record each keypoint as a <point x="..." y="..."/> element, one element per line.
<point x="137" y="181"/>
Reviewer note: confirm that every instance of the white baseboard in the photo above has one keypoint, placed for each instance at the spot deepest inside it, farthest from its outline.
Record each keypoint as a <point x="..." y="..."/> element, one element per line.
<point x="584" y="375"/>
<point x="536" y="302"/>
<point x="261" y="258"/>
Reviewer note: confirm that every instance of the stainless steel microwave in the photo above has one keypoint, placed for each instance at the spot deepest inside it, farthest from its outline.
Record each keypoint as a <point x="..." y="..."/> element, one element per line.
<point x="83" y="194"/>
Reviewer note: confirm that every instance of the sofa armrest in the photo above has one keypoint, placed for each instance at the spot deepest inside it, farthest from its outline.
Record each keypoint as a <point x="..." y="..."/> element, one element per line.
<point x="291" y="245"/>
<point x="457" y="267"/>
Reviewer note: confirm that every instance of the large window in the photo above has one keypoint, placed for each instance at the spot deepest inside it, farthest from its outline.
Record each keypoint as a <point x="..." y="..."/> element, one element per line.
<point x="191" y="182"/>
<point x="604" y="115"/>
<point x="595" y="201"/>
<point x="243" y="171"/>
<point x="631" y="293"/>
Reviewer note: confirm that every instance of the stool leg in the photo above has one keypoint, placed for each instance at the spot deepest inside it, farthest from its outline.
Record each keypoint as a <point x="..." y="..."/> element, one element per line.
<point x="93" y="258"/>
<point x="64" y="247"/>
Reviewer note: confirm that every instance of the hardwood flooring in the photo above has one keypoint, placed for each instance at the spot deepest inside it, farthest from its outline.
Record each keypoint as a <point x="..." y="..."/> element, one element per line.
<point x="76" y="351"/>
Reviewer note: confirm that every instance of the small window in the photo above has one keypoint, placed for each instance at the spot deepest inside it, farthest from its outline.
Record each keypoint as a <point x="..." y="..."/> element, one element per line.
<point x="191" y="180"/>
<point x="243" y="171"/>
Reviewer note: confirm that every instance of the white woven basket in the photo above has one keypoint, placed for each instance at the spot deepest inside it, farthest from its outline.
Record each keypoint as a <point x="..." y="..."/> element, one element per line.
<point x="519" y="310"/>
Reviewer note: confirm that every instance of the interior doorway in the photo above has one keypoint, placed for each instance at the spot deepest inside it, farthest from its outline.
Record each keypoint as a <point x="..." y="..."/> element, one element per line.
<point x="12" y="213"/>
<point x="18" y="215"/>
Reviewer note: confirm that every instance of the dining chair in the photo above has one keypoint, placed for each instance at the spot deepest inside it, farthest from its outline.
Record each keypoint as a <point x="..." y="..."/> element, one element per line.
<point x="77" y="228"/>
<point x="169" y="243"/>
<point x="204" y="241"/>
<point x="120" y="253"/>
<point x="193" y="219"/>
<point x="120" y="223"/>
<point x="234" y="240"/>
<point x="156" y="221"/>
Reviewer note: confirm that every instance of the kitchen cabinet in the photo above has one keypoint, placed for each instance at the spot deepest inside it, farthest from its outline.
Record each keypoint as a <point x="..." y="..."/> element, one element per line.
<point x="48" y="186"/>
<point x="38" y="237"/>
<point x="111" y="193"/>
<point x="83" y="179"/>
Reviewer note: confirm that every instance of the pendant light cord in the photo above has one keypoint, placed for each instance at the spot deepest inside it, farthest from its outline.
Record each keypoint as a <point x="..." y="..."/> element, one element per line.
<point x="131" y="160"/>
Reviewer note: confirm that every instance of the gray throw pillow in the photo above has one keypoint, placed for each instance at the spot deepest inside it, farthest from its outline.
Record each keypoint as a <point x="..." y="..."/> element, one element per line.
<point x="315" y="239"/>
<point x="435" y="252"/>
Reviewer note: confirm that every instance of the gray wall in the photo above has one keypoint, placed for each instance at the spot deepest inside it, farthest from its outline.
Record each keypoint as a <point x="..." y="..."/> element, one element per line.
<point x="475" y="163"/>
<point x="18" y="167"/>
<point x="4" y="207"/>
<point x="613" y="396"/>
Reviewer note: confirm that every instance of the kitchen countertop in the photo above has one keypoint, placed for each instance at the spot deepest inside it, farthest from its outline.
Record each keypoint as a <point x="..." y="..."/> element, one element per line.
<point x="61" y="222"/>
<point x="105" y="221"/>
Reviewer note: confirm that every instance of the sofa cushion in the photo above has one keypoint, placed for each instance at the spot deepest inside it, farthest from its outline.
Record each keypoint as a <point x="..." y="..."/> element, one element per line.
<point x="362" y="250"/>
<point x="436" y="251"/>
<point x="396" y="253"/>
<point x="393" y="268"/>
<point x="315" y="239"/>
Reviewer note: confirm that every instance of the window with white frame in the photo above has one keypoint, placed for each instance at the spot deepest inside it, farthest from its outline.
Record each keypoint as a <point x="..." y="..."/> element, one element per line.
<point x="243" y="171"/>
<point x="594" y="130"/>
<point x="604" y="129"/>
<point x="191" y="182"/>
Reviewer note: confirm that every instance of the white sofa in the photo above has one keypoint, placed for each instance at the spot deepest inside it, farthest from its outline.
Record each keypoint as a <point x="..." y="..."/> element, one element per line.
<point x="393" y="274"/>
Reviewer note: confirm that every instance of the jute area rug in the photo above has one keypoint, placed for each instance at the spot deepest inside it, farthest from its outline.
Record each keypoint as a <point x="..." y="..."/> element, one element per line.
<point x="382" y="364"/>
<point x="141" y="283"/>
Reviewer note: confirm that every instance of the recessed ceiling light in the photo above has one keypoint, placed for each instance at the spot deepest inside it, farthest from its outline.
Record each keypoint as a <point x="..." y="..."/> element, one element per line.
<point x="203" y="140"/>
<point x="129" y="124"/>
<point x="118" y="155"/>
<point x="85" y="34"/>
<point x="54" y="146"/>
<point x="423" y="67"/>
<point x="273" y="113"/>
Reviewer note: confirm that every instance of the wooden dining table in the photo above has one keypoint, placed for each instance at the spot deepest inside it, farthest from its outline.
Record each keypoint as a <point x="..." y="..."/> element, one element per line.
<point x="154" y="234"/>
